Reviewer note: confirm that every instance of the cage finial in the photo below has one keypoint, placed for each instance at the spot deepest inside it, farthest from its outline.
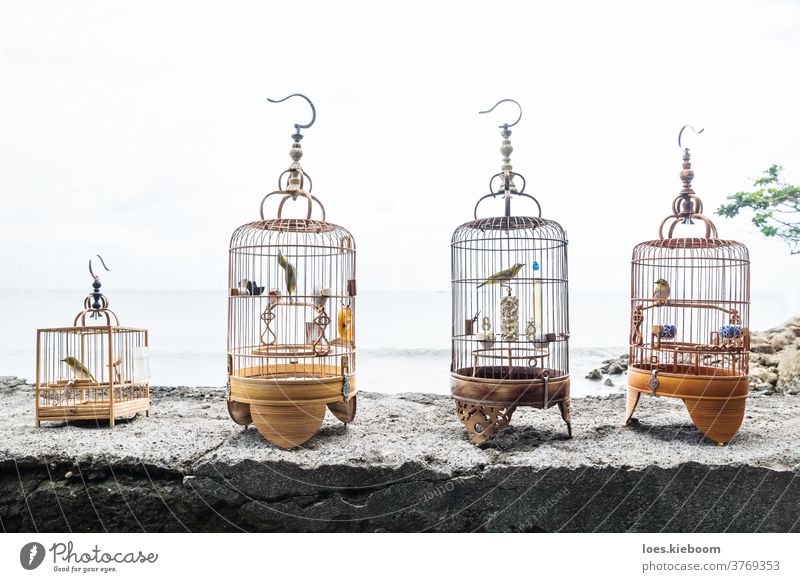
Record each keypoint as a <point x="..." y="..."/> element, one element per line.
<point x="687" y="174"/>
<point x="96" y="295"/>
<point x="506" y="148"/>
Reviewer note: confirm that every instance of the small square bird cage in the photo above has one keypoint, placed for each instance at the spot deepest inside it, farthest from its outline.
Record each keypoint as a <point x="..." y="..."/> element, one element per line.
<point x="690" y="308"/>
<point x="510" y="342"/>
<point x="93" y="370"/>
<point x="291" y="315"/>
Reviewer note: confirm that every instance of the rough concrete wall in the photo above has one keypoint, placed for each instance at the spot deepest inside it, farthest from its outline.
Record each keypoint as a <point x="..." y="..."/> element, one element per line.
<point x="405" y="464"/>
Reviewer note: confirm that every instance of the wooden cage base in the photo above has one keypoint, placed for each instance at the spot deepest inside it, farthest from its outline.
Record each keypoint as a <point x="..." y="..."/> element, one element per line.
<point x="483" y="421"/>
<point x="486" y="400"/>
<point x="93" y="410"/>
<point x="288" y="411"/>
<point x="716" y="403"/>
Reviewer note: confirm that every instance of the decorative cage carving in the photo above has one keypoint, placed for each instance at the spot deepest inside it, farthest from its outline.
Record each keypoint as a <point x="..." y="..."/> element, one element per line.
<point x="690" y="310"/>
<point x="291" y="315"/>
<point x="93" y="370"/>
<point x="510" y="339"/>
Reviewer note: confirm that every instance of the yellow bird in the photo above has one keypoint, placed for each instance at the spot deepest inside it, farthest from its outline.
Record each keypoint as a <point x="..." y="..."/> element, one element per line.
<point x="661" y="290"/>
<point x="345" y="323"/>
<point x="81" y="372"/>
<point x="503" y="276"/>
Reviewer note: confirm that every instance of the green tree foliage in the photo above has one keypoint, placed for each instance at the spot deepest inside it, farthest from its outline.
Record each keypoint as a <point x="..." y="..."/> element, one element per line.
<point x="775" y="205"/>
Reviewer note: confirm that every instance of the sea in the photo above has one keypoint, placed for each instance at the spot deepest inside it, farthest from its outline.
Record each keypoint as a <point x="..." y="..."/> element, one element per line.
<point x="403" y="337"/>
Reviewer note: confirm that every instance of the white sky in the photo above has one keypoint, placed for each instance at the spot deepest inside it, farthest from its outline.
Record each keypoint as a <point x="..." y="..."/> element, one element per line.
<point x="141" y="130"/>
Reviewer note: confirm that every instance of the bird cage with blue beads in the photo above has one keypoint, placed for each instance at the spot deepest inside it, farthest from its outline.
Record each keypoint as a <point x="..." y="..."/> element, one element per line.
<point x="94" y="369"/>
<point x="510" y="338"/>
<point x="291" y="314"/>
<point x="690" y="309"/>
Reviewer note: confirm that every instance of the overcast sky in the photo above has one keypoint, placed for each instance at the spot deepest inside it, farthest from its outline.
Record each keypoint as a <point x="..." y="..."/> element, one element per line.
<point x="141" y="130"/>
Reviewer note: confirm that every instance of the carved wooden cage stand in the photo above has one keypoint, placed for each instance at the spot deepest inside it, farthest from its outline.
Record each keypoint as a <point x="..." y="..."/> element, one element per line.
<point x="690" y="308"/>
<point x="93" y="370"/>
<point x="291" y="316"/>
<point x="510" y="322"/>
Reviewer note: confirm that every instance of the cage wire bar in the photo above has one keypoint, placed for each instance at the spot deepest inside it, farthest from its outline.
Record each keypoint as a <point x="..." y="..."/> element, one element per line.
<point x="690" y="312"/>
<point x="291" y="315"/>
<point x="510" y="316"/>
<point x="93" y="370"/>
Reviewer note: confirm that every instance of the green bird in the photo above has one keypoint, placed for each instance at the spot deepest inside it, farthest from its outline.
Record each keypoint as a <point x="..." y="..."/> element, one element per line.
<point x="81" y="372"/>
<point x="291" y="273"/>
<point x="503" y="276"/>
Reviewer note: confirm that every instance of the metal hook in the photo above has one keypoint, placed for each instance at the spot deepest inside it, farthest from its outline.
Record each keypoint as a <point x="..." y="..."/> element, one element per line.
<point x="505" y="125"/>
<point x="104" y="266"/>
<point x="298" y="126"/>
<point x="680" y="133"/>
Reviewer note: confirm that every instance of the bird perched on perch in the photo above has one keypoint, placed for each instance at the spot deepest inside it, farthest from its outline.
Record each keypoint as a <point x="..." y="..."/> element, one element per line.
<point x="81" y="372"/>
<point x="503" y="276"/>
<point x="661" y="290"/>
<point x="291" y="274"/>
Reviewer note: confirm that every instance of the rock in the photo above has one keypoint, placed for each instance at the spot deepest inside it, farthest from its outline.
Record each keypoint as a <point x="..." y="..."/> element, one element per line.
<point x="789" y="369"/>
<point x="762" y="386"/>
<point x="781" y="340"/>
<point x="772" y="378"/>
<point x="594" y="375"/>
<point x="615" y="368"/>
<point x="608" y="382"/>
<point x="762" y="349"/>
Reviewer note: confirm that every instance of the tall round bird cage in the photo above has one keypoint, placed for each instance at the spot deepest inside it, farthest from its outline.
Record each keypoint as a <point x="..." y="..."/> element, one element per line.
<point x="510" y="339"/>
<point x="291" y="314"/>
<point x="690" y="308"/>
<point x="94" y="369"/>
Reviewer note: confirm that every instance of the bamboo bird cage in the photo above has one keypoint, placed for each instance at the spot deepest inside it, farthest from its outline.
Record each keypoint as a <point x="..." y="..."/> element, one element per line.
<point x="510" y="320"/>
<point x="95" y="369"/>
<point x="291" y="315"/>
<point x="690" y="307"/>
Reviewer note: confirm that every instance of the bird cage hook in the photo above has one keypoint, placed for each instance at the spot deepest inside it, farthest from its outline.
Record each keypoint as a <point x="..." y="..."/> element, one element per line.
<point x="297" y="136"/>
<point x="91" y="272"/>
<point x="505" y="126"/>
<point x="680" y="134"/>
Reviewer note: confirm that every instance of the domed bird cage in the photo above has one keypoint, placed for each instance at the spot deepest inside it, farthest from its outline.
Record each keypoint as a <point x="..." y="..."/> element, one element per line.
<point x="510" y="340"/>
<point x="291" y="315"/>
<point x="690" y="307"/>
<point x="93" y="370"/>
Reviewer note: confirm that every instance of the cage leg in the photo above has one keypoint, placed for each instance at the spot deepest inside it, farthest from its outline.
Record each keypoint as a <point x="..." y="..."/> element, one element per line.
<point x="719" y="419"/>
<point x="111" y="421"/>
<point x="344" y="411"/>
<point x="564" y="407"/>
<point x="483" y="422"/>
<point x="287" y="426"/>
<point x="630" y="404"/>
<point x="240" y="412"/>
